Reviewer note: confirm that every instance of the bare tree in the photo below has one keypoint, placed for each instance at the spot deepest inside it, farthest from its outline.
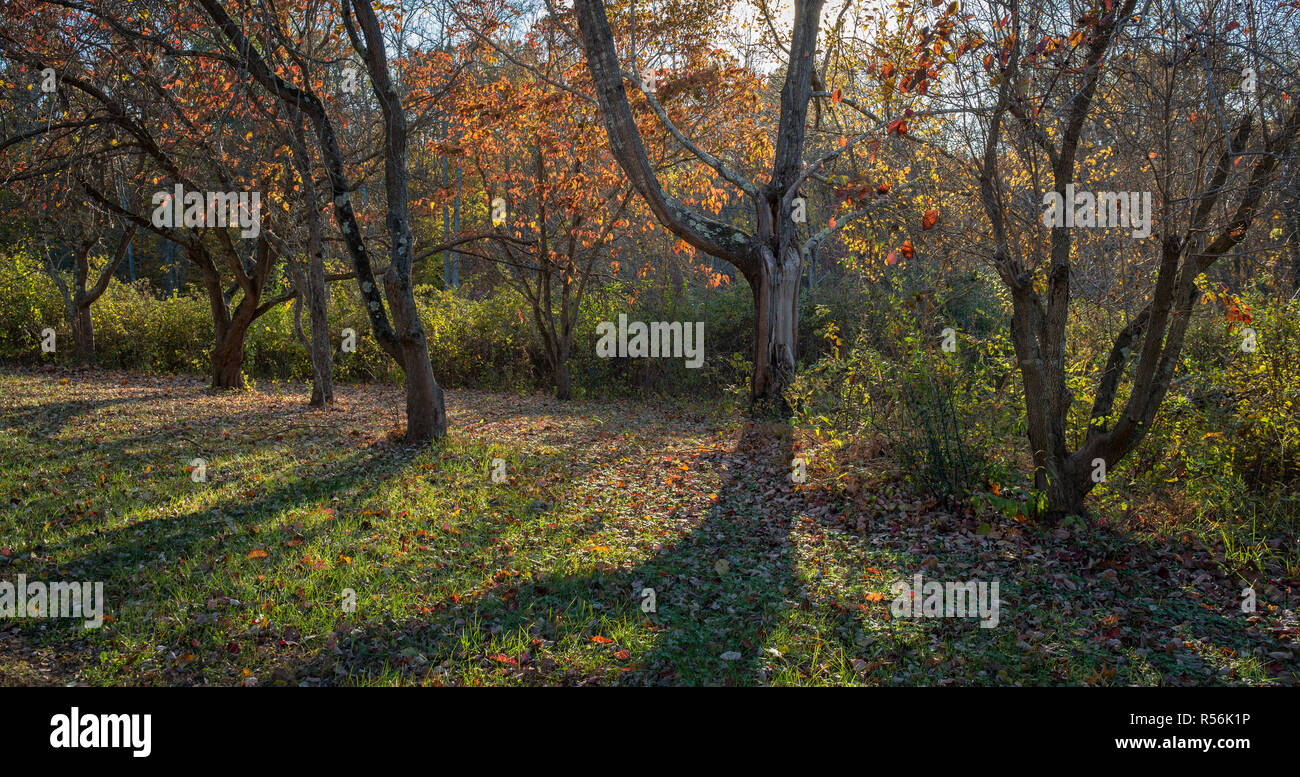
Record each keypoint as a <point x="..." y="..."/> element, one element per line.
<point x="1166" y="94"/>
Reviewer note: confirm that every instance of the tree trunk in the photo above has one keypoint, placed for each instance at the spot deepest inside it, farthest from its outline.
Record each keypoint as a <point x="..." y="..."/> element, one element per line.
<point x="426" y="414"/>
<point x="563" y="385"/>
<point x="228" y="355"/>
<point x="83" y="335"/>
<point x="228" y="362"/>
<point x="1065" y="482"/>
<point x="776" y="323"/>
<point x="426" y="417"/>
<point x="322" y="358"/>
<point x="1054" y="472"/>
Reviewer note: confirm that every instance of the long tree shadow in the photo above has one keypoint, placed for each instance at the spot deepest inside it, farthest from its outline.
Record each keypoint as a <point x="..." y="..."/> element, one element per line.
<point x="702" y="608"/>
<point x="160" y="570"/>
<point x="49" y="418"/>
<point x="709" y="598"/>
<point x="141" y="562"/>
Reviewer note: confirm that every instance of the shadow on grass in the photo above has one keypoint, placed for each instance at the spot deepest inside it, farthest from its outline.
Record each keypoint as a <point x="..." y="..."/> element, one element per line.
<point x="727" y="580"/>
<point x="717" y="590"/>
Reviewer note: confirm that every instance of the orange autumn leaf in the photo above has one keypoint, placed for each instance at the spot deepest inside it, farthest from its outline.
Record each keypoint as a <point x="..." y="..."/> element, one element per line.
<point x="257" y="553"/>
<point x="599" y="640"/>
<point x="837" y="96"/>
<point x="930" y="218"/>
<point x="907" y="249"/>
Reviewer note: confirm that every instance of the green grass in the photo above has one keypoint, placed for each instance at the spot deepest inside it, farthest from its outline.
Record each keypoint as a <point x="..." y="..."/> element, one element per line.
<point x="538" y="580"/>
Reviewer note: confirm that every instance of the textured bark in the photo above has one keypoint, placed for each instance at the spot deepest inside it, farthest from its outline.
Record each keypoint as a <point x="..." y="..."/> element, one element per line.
<point x="563" y="385"/>
<point x="228" y="359"/>
<point x="322" y="356"/>
<point x="83" y="336"/>
<point x="776" y="324"/>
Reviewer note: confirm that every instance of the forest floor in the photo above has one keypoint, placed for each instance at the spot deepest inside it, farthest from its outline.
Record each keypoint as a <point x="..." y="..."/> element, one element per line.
<point x="629" y="544"/>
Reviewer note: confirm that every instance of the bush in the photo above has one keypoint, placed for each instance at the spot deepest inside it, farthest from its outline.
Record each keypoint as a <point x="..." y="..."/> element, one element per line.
<point x="1223" y="457"/>
<point x="486" y="342"/>
<point x="136" y="330"/>
<point x="935" y="413"/>
<point x="29" y="303"/>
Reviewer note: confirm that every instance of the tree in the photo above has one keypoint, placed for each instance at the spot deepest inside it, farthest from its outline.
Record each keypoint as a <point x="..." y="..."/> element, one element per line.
<point x="130" y="91"/>
<point x="402" y="337"/>
<point x="538" y="149"/>
<point x="1058" y="91"/>
<point x="771" y="253"/>
<point x="79" y="296"/>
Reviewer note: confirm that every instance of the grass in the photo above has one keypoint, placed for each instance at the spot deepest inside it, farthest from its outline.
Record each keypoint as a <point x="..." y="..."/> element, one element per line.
<point x="250" y="577"/>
